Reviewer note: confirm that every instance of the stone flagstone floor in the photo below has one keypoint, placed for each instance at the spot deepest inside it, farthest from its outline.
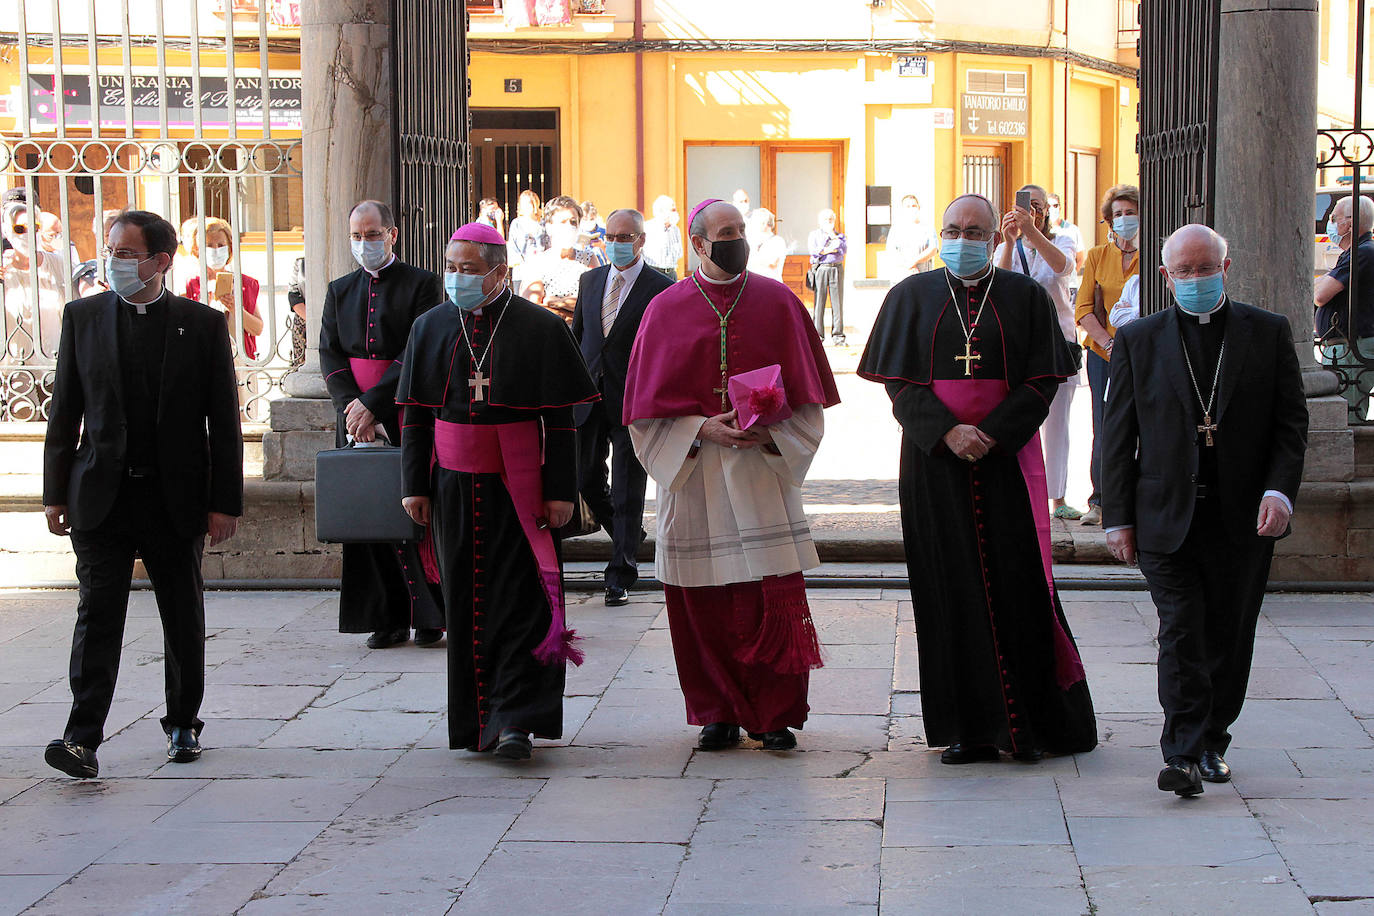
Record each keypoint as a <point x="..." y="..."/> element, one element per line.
<point x="326" y="785"/>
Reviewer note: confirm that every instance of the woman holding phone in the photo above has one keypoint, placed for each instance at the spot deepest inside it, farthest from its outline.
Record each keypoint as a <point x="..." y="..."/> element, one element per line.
<point x="219" y="283"/>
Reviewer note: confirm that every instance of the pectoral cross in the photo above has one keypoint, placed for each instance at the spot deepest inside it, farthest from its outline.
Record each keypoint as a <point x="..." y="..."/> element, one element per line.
<point x="968" y="358"/>
<point x="1208" y="427"/>
<point x="479" y="383"/>
<point x="724" y="367"/>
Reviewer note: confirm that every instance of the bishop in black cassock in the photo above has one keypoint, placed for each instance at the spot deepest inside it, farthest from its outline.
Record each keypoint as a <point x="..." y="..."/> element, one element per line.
<point x="490" y="450"/>
<point x="974" y="363"/>
<point x="386" y="588"/>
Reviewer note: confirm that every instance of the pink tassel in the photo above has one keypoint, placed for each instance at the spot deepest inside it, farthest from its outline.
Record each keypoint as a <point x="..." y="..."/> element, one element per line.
<point x="560" y="648"/>
<point x="429" y="561"/>
<point x="765" y="401"/>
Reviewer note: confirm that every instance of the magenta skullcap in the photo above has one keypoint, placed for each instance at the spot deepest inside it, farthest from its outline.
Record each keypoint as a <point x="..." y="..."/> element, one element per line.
<point x="477" y="232"/>
<point x="701" y="206"/>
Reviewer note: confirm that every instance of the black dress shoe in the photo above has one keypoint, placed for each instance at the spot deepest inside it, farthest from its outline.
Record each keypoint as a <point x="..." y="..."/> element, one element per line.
<point x="385" y="639"/>
<point x="427" y="637"/>
<point x="1181" y="777"/>
<point x="617" y="597"/>
<point x="182" y="746"/>
<point x="780" y="740"/>
<point x="72" y="759"/>
<point x="718" y="736"/>
<point x="514" y="745"/>
<point x="968" y="753"/>
<point x="1028" y="755"/>
<point x="1213" y="767"/>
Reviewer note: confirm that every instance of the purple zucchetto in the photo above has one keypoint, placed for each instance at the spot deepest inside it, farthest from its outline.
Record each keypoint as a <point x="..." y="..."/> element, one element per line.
<point x="477" y="232"/>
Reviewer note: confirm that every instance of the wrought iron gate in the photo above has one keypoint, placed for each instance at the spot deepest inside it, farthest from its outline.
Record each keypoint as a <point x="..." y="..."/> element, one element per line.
<point x="1349" y="150"/>
<point x="1179" y="46"/>
<point x="169" y="107"/>
<point x="432" y="185"/>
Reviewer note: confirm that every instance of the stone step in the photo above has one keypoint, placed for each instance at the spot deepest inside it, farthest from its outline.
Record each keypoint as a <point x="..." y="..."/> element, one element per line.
<point x="1364" y="452"/>
<point x="21" y="454"/>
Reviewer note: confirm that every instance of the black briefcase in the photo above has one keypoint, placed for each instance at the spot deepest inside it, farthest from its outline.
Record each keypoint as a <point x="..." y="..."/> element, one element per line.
<point x="358" y="497"/>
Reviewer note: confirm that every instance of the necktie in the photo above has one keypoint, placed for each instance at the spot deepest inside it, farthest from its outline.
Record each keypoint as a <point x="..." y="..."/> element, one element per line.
<point x="611" y="307"/>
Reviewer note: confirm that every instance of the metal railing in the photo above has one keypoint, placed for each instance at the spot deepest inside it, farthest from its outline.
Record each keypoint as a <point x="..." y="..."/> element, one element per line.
<point x="169" y="107"/>
<point x="1341" y="348"/>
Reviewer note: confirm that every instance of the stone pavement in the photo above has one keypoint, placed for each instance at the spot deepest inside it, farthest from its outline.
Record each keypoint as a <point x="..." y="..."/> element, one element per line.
<point x="326" y="785"/>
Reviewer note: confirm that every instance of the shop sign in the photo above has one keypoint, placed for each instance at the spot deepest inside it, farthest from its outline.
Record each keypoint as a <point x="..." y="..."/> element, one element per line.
<point x="284" y="101"/>
<point x="987" y="114"/>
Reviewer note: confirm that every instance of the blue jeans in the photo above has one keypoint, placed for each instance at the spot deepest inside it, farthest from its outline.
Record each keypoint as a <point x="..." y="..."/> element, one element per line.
<point x="1098" y="372"/>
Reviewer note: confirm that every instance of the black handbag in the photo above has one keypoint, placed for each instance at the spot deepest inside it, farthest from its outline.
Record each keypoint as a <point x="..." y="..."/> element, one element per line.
<point x="358" y="497"/>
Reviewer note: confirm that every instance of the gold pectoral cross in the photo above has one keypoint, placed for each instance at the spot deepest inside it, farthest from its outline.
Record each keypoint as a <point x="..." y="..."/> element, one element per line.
<point x="479" y="383"/>
<point x="968" y="358"/>
<point x="1208" y="427"/>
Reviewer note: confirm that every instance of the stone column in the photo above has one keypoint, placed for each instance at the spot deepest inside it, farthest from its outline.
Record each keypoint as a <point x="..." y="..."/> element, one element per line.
<point x="346" y="95"/>
<point x="1268" y="76"/>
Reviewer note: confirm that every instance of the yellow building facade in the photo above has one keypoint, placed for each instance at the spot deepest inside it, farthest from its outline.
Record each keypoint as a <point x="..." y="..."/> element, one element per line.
<point x="910" y="102"/>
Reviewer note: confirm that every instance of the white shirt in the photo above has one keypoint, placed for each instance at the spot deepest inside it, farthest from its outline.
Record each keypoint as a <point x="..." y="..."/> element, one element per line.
<point x="1127" y="308"/>
<point x="1056" y="284"/>
<point x="630" y="274"/>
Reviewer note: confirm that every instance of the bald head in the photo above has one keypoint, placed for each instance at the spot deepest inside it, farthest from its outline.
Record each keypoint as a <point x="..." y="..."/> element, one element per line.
<point x="715" y="217"/>
<point x="969" y="211"/>
<point x="1193" y="246"/>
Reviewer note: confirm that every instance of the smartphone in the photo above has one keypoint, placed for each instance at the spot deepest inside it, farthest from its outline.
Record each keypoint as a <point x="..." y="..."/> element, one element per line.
<point x="224" y="284"/>
<point x="1023" y="200"/>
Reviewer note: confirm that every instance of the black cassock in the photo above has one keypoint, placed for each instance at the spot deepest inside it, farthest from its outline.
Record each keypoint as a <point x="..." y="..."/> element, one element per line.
<point x="496" y="606"/>
<point x="997" y="660"/>
<point x="369" y="318"/>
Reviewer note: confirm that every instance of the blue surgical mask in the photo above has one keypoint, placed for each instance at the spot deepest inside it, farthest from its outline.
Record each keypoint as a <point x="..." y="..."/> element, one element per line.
<point x="1126" y="227"/>
<point x="1331" y="231"/>
<point x="122" y="275"/>
<point x="622" y="254"/>
<point x="1200" y="295"/>
<point x="465" y="290"/>
<point x="965" y="258"/>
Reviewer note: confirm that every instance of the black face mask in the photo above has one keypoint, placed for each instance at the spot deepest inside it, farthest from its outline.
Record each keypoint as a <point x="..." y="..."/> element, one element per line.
<point x="730" y="255"/>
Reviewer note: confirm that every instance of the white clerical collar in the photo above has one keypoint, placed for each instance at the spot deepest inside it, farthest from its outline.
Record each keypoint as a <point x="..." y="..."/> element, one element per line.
<point x="1206" y="317"/>
<point x="971" y="282"/>
<point x="478" y="311"/>
<point x="702" y="274"/>
<point x="142" y="307"/>
<point x="378" y="272"/>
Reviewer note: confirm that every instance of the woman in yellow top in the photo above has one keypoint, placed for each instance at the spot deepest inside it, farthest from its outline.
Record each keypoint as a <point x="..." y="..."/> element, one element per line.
<point x="1105" y="272"/>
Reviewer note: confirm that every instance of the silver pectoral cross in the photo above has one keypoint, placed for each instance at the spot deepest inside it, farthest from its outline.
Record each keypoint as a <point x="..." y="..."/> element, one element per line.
<point x="479" y="384"/>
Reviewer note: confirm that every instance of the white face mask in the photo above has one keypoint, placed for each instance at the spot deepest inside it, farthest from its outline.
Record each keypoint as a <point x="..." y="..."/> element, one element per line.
<point x="371" y="255"/>
<point x="217" y="257"/>
<point x="122" y="274"/>
<point x="562" y="235"/>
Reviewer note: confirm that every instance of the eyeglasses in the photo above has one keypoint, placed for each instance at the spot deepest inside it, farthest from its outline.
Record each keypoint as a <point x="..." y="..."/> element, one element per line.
<point x="626" y="237"/>
<point x="372" y="236"/>
<point x="1186" y="273"/>
<point x="972" y="233"/>
<point x="123" y="254"/>
<point x="20" y="229"/>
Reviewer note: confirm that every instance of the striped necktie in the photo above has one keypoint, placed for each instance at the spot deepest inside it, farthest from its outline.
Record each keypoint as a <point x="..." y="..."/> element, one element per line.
<point x="611" y="307"/>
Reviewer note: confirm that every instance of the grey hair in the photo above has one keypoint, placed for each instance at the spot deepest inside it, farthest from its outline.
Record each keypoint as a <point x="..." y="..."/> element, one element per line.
<point x="635" y="215"/>
<point x="1218" y="243"/>
<point x="1366" y="213"/>
<point x="697" y="227"/>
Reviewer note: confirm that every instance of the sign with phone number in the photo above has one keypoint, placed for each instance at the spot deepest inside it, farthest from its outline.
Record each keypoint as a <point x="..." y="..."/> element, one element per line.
<point x="993" y="115"/>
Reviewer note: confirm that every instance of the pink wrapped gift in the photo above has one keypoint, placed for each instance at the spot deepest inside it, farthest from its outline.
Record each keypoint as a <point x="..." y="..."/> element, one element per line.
<point x="759" y="396"/>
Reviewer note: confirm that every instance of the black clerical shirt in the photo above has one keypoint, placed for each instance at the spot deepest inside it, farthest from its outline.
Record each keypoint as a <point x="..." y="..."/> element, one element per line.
<point x="1203" y="345"/>
<point x="142" y="343"/>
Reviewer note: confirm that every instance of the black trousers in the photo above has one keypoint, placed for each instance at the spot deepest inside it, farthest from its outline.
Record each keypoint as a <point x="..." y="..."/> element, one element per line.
<point x="1208" y="595"/>
<point x="618" y="504"/>
<point x="830" y="282"/>
<point x="138" y="524"/>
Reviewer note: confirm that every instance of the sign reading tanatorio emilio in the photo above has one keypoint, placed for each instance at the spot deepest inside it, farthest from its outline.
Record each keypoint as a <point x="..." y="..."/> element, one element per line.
<point x="992" y="115"/>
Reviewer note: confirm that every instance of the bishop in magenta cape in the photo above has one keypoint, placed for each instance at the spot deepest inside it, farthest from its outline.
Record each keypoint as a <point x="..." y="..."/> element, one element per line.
<point x="998" y="663"/>
<point x="506" y="629"/>
<point x="732" y="537"/>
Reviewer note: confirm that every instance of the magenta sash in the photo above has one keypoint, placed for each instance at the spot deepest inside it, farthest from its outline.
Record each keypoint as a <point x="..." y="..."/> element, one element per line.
<point x="971" y="400"/>
<point x="514" y="451"/>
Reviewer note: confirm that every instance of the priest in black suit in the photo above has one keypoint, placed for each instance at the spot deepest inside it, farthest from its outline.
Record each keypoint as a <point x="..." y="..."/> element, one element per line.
<point x="610" y="303"/>
<point x="1206" y="428"/>
<point x="386" y="588"/>
<point x="143" y="456"/>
